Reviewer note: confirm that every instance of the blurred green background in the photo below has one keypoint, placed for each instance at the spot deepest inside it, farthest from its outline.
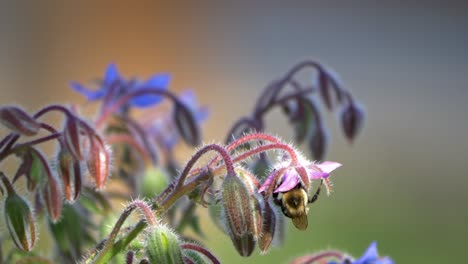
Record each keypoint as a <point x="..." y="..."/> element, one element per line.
<point x="404" y="180"/>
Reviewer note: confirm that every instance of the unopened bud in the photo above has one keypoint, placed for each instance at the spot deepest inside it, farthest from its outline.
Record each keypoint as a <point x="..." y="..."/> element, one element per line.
<point x="325" y="88"/>
<point x="186" y="125"/>
<point x="73" y="138"/>
<point x="237" y="202"/>
<point x="19" y="121"/>
<point x="163" y="245"/>
<point x="268" y="228"/>
<point x="352" y="118"/>
<point x="71" y="173"/>
<point x="52" y="196"/>
<point x="318" y="143"/>
<point x="98" y="162"/>
<point x="51" y="192"/>
<point x="19" y="220"/>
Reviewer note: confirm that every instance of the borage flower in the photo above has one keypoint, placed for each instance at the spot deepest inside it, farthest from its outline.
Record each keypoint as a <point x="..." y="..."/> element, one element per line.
<point x="114" y="86"/>
<point x="291" y="193"/>
<point x="372" y="256"/>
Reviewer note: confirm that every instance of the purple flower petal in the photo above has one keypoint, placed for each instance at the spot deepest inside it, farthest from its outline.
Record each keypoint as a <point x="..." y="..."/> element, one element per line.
<point x="156" y="82"/>
<point x="328" y="166"/>
<point x="111" y="75"/>
<point x="202" y="114"/>
<point x="287" y="185"/>
<point x="266" y="183"/>
<point x="370" y="256"/>
<point x="289" y="181"/>
<point x="317" y="175"/>
<point x="90" y="94"/>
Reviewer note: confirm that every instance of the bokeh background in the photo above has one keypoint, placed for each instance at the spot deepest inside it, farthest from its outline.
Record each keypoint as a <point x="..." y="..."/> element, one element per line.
<point x="404" y="180"/>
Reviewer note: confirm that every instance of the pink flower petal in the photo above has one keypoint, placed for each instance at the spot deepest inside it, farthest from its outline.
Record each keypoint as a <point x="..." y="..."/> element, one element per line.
<point x="328" y="166"/>
<point x="290" y="180"/>
<point x="316" y="175"/>
<point x="266" y="183"/>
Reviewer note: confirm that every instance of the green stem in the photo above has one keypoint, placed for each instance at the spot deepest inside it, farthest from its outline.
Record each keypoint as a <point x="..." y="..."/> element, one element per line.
<point x="110" y="250"/>
<point x="149" y="218"/>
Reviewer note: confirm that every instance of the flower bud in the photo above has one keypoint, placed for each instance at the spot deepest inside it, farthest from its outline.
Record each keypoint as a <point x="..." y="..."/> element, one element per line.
<point x="237" y="202"/>
<point x="19" y="220"/>
<point x="98" y="162"/>
<point x="51" y="191"/>
<point x="73" y="138"/>
<point x="19" y="121"/>
<point x="186" y="125"/>
<point x="352" y="118"/>
<point x="268" y="227"/>
<point x="325" y="88"/>
<point x="318" y="143"/>
<point x="70" y="172"/>
<point x="163" y="245"/>
<point x="52" y="196"/>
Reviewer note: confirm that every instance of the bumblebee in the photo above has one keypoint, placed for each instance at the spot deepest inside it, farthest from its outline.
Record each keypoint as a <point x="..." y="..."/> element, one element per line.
<point x="293" y="204"/>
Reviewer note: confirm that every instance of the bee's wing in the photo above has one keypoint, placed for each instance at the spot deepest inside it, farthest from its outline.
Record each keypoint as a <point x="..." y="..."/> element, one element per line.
<point x="300" y="222"/>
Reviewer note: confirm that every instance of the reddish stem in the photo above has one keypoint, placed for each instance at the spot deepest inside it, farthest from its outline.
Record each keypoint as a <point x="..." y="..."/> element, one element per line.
<point x="203" y="251"/>
<point x="317" y="257"/>
<point x="213" y="147"/>
<point x="264" y="148"/>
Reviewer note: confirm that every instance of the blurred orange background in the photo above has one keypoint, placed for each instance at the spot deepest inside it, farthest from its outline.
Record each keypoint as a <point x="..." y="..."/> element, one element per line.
<point x="404" y="180"/>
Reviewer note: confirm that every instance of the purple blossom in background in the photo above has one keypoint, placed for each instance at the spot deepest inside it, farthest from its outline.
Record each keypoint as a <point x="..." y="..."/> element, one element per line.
<point x="114" y="86"/>
<point x="371" y="256"/>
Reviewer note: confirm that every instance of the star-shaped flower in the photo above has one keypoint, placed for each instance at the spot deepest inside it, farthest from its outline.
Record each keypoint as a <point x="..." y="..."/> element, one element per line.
<point x="290" y="178"/>
<point x="114" y="85"/>
<point x="371" y="256"/>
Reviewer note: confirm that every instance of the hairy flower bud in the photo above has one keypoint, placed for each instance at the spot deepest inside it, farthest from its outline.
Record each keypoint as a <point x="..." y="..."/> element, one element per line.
<point x="318" y="143"/>
<point x="19" y="121"/>
<point x="52" y="196"/>
<point x="325" y="88"/>
<point x="98" y="162"/>
<point x="239" y="212"/>
<point x="186" y="125"/>
<point x="51" y="191"/>
<point x="352" y="118"/>
<point x="72" y="135"/>
<point x="268" y="227"/>
<point x="70" y="172"/>
<point x="163" y="245"/>
<point x="19" y="218"/>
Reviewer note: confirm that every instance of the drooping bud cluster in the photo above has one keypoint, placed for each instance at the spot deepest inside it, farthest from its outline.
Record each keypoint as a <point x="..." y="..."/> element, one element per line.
<point x="302" y="109"/>
<point x="249" y="219"/>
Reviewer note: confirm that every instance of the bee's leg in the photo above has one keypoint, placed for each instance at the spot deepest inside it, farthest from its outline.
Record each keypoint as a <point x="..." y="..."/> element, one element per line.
<point x="316" y="195"/>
